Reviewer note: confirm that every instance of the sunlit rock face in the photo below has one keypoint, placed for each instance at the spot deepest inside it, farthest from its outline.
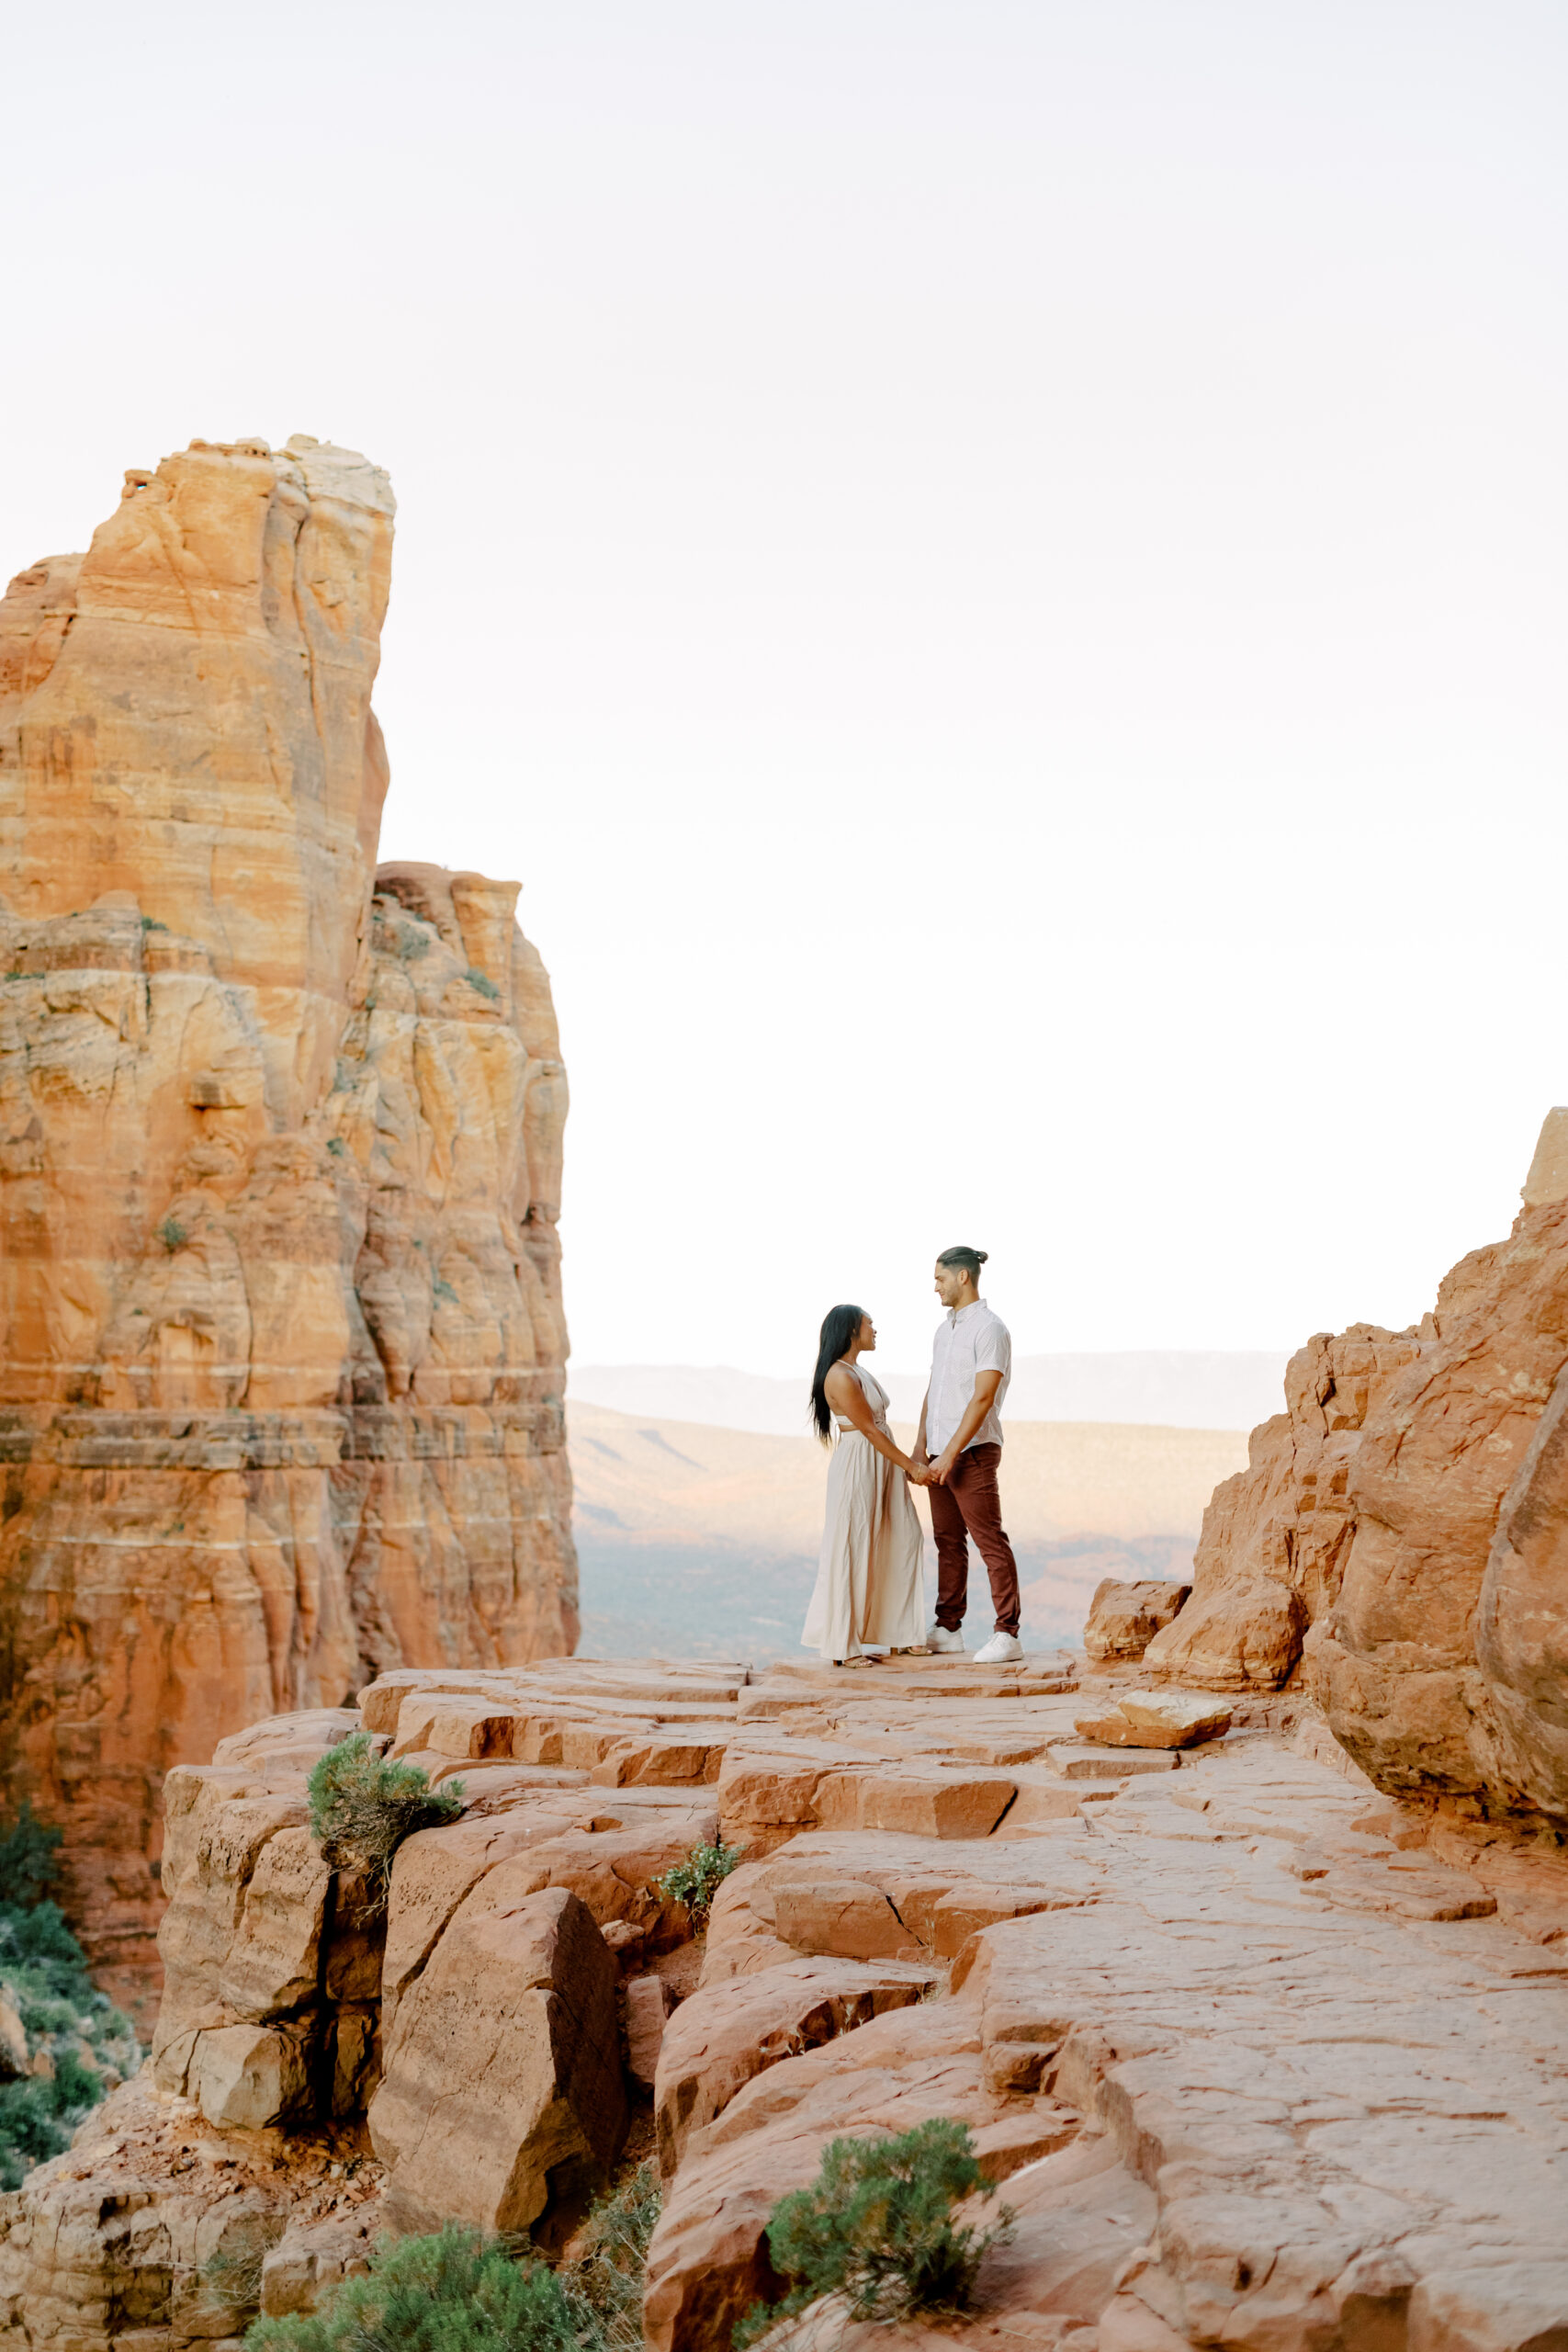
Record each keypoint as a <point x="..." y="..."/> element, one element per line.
<point x="280" y="1392"/>
<point x="1443" y="1664"/>
<point x="1401" y="1535"/>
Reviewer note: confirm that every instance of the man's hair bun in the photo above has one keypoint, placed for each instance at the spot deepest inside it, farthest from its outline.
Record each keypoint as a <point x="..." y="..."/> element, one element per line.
<point x="970" y="1259"/>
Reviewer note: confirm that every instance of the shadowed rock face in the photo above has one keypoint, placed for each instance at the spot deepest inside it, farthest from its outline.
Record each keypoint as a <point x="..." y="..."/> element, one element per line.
<point x="279" y="1169"/>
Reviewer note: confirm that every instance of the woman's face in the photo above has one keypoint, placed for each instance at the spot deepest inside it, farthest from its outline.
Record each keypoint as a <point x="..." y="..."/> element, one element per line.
<point x="867" y="1332"/>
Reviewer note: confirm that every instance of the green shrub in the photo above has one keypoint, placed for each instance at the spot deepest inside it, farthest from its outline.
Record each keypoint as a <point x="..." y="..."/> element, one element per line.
<point x="876" y="2228"/>
<point x="697" y="1880"/>
<point x="456" y="2292"/>
<point x="173" y="1234"/>
<point x="28" y="1858"/>
<point x="450" y="2292"/>
<point x="43" y="1976"/>
<point x="482" y="981"/>
<point x="363" y="1806"/>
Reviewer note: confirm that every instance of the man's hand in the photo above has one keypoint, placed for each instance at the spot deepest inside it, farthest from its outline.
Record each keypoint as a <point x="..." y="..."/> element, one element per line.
<point x="942" y="1468"/>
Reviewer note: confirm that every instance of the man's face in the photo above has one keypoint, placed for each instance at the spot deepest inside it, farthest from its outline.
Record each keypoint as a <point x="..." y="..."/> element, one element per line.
<point x="951" y="1284"/>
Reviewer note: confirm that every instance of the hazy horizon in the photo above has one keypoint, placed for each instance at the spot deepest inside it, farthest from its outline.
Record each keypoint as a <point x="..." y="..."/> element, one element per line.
<point x="1168" y="1388"/>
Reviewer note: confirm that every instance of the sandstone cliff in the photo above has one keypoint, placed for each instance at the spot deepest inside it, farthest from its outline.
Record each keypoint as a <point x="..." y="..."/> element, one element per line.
<point x="280" y="1400"/>
<point x="1405" y="1525"/>
<point x="1259" y="2068"/>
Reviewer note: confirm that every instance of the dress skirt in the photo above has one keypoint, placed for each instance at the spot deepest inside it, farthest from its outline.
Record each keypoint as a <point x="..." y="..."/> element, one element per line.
<point x="870" y="1578"/>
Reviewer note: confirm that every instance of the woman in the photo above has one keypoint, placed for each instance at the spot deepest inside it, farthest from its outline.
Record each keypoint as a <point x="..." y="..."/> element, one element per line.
<point x="869" y="1582"/>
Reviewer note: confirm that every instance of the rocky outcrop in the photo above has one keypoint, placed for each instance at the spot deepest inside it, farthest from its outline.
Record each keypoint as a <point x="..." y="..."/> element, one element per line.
<point x="1263" y="2058"/>
<point x="1442" y="1665"/>
<point x="1276" y="1537"/>
<point x="1406" y="1526"/>
<point x="1124" y="1618"/>
<point x="502" y="2099"/>
<point x="280" y="1403"/>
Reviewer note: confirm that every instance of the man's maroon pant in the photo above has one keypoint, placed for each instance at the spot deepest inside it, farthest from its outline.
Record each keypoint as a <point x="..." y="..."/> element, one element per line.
<point x="970" y="1505"/>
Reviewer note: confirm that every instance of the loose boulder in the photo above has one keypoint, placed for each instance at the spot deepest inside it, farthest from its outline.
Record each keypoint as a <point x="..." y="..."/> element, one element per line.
<point x="1157" y="1719"/>
<point x="1124" y="1618"/>
<point x="501" y="2105"/>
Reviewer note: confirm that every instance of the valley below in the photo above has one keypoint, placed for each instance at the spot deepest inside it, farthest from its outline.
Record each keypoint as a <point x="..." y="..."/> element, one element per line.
<point x="701" y="1542"/>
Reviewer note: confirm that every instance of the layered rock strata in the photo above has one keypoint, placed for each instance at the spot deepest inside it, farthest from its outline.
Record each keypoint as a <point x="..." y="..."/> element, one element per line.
<point x="1259" y="2064"/>
<point x="1405" y="1524"/>
<point x="280" y="1401"/>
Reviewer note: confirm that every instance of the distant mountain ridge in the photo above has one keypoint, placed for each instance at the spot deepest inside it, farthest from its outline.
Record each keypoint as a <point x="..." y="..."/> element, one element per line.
<point x="1177" y="1388"/>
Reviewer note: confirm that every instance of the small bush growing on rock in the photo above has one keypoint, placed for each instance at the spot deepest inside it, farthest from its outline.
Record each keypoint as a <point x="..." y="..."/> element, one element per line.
<point x="876" y="2231"/>
<point x="482" y="981"/>
<point x="604" y="2280"/>
<point x="363" y="1806"/>
<point x="448" y="2292"/>
<point x="456" y="2291"/>
<point x="697" y="1880"/>
<point x="173" y="1234"/>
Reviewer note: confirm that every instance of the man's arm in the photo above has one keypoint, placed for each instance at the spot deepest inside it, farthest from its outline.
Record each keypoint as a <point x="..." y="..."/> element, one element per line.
<point x="920" y="1456"/>
<point x="986" y="1387"/>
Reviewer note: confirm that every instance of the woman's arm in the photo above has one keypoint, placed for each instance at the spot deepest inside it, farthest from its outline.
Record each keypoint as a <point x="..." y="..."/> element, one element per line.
<point x="847" y="1397"/>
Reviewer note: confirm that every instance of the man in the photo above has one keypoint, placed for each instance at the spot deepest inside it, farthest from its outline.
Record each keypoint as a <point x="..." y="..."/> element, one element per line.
<point x="971" y="1365"/>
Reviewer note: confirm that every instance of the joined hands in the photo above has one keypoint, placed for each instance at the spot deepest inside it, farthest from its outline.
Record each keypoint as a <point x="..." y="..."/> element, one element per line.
<point x="929" y="1472"/>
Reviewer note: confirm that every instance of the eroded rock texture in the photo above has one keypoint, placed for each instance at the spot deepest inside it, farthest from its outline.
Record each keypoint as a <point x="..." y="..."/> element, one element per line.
<point x="1443" y="1666"/>
<point x="1263" y="2060"/>
<point x="1405" y="1525"/>
<point x="279" y="1171"/>
<point x="1276" y="1536"/>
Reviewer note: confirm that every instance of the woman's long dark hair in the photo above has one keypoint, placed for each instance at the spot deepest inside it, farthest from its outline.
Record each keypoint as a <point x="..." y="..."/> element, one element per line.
<point x="840" y="1328"/>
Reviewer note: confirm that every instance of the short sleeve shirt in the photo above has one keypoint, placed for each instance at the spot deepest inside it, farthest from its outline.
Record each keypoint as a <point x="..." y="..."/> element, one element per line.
<point x="968" y="1341"/>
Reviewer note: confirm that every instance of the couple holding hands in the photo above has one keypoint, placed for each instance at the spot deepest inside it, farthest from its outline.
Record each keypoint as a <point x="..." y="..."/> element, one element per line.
<point x="870" y="1589"/>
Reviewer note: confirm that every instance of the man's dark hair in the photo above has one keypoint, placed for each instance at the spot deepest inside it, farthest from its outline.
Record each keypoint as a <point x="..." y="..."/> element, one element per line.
<point x="970" y="1259"/>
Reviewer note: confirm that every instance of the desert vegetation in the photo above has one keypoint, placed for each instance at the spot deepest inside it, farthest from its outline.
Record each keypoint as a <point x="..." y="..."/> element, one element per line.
<point x="363" y="1806"/>
<point x="62" y="2044"/>
<point x="456" y="2291"/>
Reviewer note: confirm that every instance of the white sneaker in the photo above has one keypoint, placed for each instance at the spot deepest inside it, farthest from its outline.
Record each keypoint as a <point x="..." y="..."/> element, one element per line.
<point x="946" y="1643"/>
<point x="1002" y="1649"/>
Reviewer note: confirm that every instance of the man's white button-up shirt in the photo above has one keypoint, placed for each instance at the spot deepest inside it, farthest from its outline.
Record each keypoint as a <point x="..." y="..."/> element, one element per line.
<point x="969" y="1339"/>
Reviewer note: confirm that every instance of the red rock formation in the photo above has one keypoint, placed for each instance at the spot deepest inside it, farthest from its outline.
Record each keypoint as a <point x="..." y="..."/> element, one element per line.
<point x="1407" y="1523"/>
<point x="1256" y="2065"/>
<point x="279" y="1171"/>
<point x="1442" y="1666"/>
<point x="1276" y="1536"/>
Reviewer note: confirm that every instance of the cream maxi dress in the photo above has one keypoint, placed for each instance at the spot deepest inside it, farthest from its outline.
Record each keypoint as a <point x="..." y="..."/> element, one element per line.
<point x="870" y="1586"/>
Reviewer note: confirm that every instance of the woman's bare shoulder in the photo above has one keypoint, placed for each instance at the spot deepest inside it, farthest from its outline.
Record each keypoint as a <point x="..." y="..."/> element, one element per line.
<point x="841" y="1382"/>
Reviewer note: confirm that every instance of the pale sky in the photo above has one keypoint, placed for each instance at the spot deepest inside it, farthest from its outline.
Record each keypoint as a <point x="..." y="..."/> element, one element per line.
<point x="998" y="570"/>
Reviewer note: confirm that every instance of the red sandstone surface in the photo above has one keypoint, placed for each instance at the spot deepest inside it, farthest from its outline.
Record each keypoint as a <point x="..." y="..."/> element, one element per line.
<point x="280" y="1400"/>
<point x="1265" y="2058"/>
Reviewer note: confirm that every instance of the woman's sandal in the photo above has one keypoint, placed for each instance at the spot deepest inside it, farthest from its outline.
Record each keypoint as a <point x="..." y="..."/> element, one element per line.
<point x="861" y="1660"/>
